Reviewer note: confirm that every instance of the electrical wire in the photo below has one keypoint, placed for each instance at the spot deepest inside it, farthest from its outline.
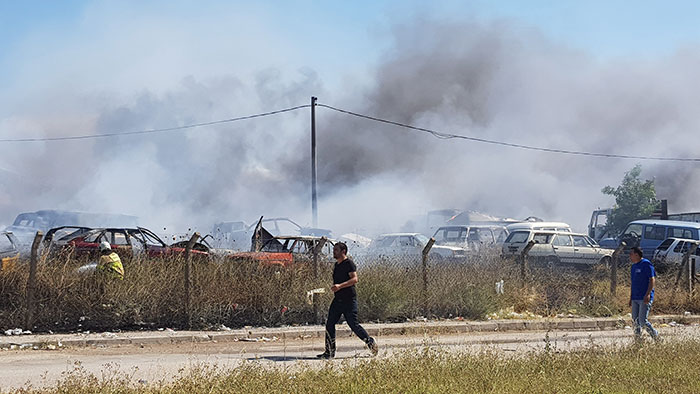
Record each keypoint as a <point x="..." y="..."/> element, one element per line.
<point x="447" y="136"/>
<point x="152" y="131"/>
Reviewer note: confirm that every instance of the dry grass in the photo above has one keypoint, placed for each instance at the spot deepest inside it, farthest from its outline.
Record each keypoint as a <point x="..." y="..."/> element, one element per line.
<point x="669" y="368"/>
<point x="245" y="293"/>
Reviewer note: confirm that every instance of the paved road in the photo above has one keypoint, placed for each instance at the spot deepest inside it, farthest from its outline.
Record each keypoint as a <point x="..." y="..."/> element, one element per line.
<point x="155" y="362"/>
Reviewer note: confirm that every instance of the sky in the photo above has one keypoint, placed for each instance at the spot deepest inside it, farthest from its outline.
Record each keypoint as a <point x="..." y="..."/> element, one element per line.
<point x="84" y="67"/>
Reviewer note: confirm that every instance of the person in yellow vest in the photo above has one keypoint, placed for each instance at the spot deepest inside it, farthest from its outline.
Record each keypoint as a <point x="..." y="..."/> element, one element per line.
<point x="110" y="264"/>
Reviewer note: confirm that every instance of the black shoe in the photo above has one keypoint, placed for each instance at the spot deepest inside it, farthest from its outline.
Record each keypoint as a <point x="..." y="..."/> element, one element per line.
<point x="373" y="347"/>
<point x="325" y="356"/>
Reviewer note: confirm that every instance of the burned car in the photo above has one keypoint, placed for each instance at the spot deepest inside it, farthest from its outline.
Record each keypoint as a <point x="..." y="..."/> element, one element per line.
<point x="127" y="242"/>
<point x="285" y="250"/>
<point x="9" y="250"/>
<point x="236" y="235"/>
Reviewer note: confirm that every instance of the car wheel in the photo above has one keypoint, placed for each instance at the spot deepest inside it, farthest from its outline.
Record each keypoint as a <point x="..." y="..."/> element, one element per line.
<point x="551" y="261"/>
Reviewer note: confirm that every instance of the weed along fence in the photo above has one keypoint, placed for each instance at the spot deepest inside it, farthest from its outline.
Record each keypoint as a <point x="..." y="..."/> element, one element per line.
<point x="48" y="293"/>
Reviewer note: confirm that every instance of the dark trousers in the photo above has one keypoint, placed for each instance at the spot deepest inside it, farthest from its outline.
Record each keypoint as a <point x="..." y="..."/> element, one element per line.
<point x="348" y="309"/>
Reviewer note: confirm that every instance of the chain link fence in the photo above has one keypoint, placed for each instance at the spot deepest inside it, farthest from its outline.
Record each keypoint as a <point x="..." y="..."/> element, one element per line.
<point x="232" y="294"/>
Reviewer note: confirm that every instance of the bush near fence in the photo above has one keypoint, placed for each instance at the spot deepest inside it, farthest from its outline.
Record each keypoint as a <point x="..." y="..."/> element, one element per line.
<point x="244" y="293"/>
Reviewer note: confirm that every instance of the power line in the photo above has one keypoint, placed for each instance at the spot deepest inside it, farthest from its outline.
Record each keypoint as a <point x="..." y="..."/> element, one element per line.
<point x="448" y="136"/>
<point x="152" y="131"/>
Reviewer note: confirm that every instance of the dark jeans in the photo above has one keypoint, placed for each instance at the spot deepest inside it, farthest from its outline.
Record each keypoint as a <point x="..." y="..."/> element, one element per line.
<point x="347" y="308"/>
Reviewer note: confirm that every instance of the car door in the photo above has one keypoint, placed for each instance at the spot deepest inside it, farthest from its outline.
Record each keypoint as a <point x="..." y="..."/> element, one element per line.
<point x="564" y="248"/>
<point x="584" y="253"/>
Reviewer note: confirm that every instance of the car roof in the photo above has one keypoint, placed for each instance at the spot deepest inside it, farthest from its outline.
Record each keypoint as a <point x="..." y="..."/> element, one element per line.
<point x="398" y="234"/>
<point x="552" y="232"/>
<point x="676" y="223"/>
<point x="680" y="239"/>
<point x="489" y="226"/>
<point x="301" y="237"/>
<point x="537" y="224"/>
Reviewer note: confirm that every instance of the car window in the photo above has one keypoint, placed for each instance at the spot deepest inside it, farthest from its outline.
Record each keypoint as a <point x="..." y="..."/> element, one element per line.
<point x="151" y="239"/>
<point x="500" y="234"/>
<point x="655" y="232"/>
<point x="473" y="235"/>
<point x="562" y="240"/>
<point x="542" y="238"/>
<point x="96" y="237"/>
<point x="119" y="238"/>
<point x="580" y="242"/>
<point x="5" y="243"/>
<point x="405" y="240"/>
<point x="517" y="237"/>
<point x="677" y="232"/>
<point x="486" y="235"/>
<point x="633" y="229"/>
<point x="678" y="246"/>
<point x="665" y="245"/>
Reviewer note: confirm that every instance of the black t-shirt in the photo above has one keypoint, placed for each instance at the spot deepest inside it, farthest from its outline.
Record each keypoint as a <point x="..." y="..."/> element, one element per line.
<point x="341" y="273"/>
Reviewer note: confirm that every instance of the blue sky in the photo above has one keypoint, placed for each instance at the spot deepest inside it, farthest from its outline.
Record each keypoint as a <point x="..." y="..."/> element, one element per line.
<point x="603" y="27"/>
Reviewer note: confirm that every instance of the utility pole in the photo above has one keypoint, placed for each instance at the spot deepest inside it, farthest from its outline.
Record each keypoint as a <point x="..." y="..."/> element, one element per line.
<point x="314" y="201"/>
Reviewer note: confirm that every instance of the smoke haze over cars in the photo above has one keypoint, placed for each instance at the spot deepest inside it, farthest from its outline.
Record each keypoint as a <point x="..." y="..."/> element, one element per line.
<point x="495" y="80"/>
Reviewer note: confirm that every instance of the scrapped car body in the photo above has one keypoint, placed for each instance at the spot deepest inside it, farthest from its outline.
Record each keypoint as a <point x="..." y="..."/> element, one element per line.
<point x="27" y="224"/>
<point x="395" y="246"/>
<point x="471" y="239"/>
<point x="126" y="242"/>
<point x="672" y="250"/>
<point x="9" y="250"/>
<point x="285" y="250"/>
<point x="237" y="236"/>
<point x="556" y="247"/>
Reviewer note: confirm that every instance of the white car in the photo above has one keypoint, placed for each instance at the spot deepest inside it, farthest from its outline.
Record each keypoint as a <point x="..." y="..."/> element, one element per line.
<point x="671" y="251"/>
<point x="557" y="247"/>
<point x="472" y="239"/>
<point x="410" y="244"/>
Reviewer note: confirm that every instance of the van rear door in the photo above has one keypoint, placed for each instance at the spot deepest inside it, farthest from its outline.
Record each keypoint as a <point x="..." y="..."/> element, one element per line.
<point x="653" y="236"/>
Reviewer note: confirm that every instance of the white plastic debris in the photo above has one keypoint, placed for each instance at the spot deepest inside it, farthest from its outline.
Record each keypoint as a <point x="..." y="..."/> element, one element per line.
<point x="686" y="313"/>
<point x="16" y="331"/>
<point x="223" y="328"/>
<point x="310" y="295"/>
<point x="499" y="287"/>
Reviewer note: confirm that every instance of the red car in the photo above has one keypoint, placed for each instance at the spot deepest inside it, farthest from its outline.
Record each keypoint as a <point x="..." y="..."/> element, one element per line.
<point x="284" y="250"/>
<point x="127" y="242"/>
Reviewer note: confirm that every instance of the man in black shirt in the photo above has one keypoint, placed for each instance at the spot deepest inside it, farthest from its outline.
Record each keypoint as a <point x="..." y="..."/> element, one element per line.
<point x="345" y="302"/>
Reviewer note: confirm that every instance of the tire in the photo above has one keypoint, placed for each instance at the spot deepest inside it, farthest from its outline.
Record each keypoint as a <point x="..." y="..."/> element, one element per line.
<point x="551" y="262"/>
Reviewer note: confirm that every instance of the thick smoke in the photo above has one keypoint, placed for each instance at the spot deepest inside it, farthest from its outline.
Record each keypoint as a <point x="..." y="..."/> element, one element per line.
<point x="492" y="81"/>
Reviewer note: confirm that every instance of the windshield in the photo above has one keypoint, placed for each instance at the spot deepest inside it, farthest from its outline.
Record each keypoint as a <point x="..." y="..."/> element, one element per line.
<point x="446" y="235"/>
<point x="422" y="239"/>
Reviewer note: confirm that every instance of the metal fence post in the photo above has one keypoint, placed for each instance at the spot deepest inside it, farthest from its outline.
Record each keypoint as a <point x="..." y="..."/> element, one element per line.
<point x="188" y="258"/>
<point x="424" y="292"/>
<point x="315" y="252"/>
<point x="523" y="259"/>
<point x="31" y="282"/>
<point x="613" y="267"/>
<point x="684" y="266"/>
<point x="691" y="251"/>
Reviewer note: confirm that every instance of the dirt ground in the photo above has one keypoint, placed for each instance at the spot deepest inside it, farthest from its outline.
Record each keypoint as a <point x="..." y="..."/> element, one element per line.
<point x="148" y="363"/>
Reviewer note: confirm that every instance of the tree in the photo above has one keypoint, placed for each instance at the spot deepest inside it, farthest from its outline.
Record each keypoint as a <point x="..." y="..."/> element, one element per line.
<point x="634" y="199"/>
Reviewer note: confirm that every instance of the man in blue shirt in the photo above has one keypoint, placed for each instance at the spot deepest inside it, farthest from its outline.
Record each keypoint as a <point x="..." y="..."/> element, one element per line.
<point x="642" y="292"/>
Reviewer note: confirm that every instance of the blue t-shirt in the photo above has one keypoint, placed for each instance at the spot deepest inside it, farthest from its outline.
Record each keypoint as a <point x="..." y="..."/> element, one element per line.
<point x="641" y="272"/>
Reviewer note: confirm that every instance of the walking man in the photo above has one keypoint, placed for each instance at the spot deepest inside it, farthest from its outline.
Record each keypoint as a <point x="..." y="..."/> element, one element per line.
<point x="642" y="292"/>
<point x="344" y="302"/>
